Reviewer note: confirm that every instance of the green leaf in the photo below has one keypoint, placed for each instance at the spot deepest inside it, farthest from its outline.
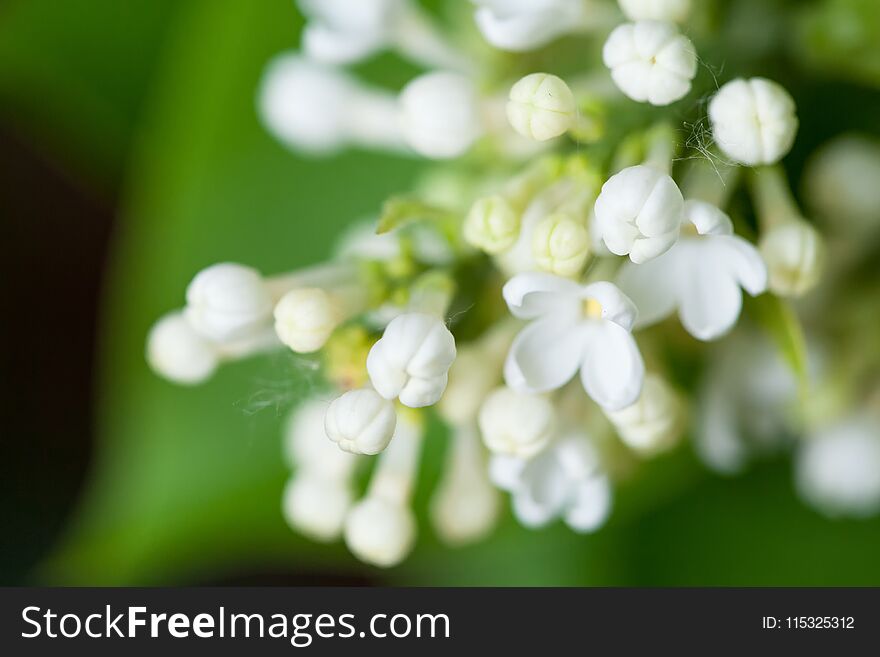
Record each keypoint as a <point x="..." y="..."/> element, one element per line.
<point x="400" y="211"/>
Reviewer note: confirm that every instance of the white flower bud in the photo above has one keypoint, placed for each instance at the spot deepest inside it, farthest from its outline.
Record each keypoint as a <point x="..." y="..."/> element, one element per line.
<point x="305" y="318"/>
<point x="440" y="114"/>
<point x="654" y="422"/>
<point x="795" y="255"/>
<point x="492" y="225"/>
<point x="651" y="61"/>
<point x="541" y="107"/>
<point x="639" y="212"/>
<point x="561" y="244"/>
<point x="306" y="446"/>
<point x="656" y="10"/>
<point x="380" y="532"/>
<point x="753" y="121"/>
<point x="411" y="361"/>
<point x="228" y="302"/>
<point x="341" y="31"/>
<point x="176" y="352"/>
<point x="316" y="506"/>
<point x="515" y="423"/>
<point x="360" y="421"/>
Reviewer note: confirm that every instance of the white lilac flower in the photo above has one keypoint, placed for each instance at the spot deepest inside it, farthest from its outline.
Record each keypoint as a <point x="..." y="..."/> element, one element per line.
<point x="655" y="422"/>
<point x="656" y="10"/>
<point x="639" y="213"/>
<point x="412" y="359"/>
<point x="838" y="467"/>
<point x="541" y="106"/>
<point x="516" y="423"/>
<point x="465" y="505"/>
<point x="700" y="277"/>
<point x="360" y="421"/>
<point x="574" y="327"/>
<point x="561" y="244"/>
<point x="306" y="446"/>
<point x="440" y="114"/>
<point x="753" y="121"/>
<point x="381" y="528"/>
<point x="176" y="351"/>
<point x="564" y="481"/>
<point x="651" y="61"/>
<point x="518" y="25"/>
<point x="227" y="302"/>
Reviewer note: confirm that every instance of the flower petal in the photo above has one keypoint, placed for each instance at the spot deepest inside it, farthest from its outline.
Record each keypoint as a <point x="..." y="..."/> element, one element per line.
<point x="591" y="505"/>
<point x="710" y="299"/>
<point x="533" y="294"/>
<point x="707" y="219"/>
<point x="613" y="370"/>
<point x="744" y="262"/>
<point x="616" y="306"/>
<point x="544" y="356"/>
<point x="653" y="286"/>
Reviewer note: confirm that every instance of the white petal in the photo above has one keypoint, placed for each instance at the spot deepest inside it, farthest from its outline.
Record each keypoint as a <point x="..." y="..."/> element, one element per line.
<point x="521" y="30"/>
<point x="653" y="286"/>
<point x="533" y="294"/>
<point x="710" y="299"/>
<point x="591" y="505"/>
<point x="744" y="262"/>
<point x="616" y="306"/>
<point x="707" y="219"/>
<point x="544" y="356"/>
<point x="505" y="471"/>
<point x="613" y="370"/>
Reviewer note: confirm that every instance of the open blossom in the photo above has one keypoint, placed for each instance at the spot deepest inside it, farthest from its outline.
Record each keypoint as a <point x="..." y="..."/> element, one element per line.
<point x="700" y="277"/>
<point x="516" y="423"/>
<point x="574" y="327"/>
<point x="541" y="106"/>
<point x="651" y="61"/>
<point x="360" y="421"/>
<point x="639" y="213"/>
<point x="564" y="481"/>
<point x="519" y="26"/>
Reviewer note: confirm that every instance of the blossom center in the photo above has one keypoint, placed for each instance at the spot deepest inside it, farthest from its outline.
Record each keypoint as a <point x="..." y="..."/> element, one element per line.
<point x="592" y="309"/>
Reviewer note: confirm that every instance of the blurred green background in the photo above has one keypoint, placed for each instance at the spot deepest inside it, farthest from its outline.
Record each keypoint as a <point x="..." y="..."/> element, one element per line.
<point x="139" y="118"/>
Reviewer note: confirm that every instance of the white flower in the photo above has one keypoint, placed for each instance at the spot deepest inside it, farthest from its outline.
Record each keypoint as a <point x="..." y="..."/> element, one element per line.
<point x="700" y="276"/>
<point x="639" y="213"/>
<point x="341" y="31"/>
<point x="316" y="505"/>
<point x="178" y="353"/>
<point x="651" y="61"/>
<point x="305" y="318"/>
<point x="306" y="446"/>
<point x="565" y="480"/>
<point x="516" y="423"/>
<point x="492" y="225"/>
<point x="753" y="121"/>
<point x="411" y="361"/>
<point x="541" y="106"/>
<point x="228" y="301"/>
<point x="528" y="24"/>
<point x="575" y="327"/>
<point x="656" y="10"/>
<point x="838" y="468"/>
<point x="440" y="114"/>
<point x="561" y="244"/>
<point x="795" y="255"/>
<point x="360" y="421"/>
<point x="655" y="422"/>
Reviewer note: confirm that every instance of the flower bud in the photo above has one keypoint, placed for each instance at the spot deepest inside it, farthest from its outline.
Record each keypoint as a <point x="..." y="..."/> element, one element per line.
<point x="305" y="318"/>
<point x="651" y="61"/>
<point x="654" y="422"/>
<point x="514" y="423"/>
<point x="561" y="244"/>
<point x="228" y="302"/>
<point x="656" y="10"/>
<point x="306" y="446"/>
<point x="341" y="32"/>
<point x="753" y="121"/>
<point x="380" y="532"/>
<point x="360" y="421"/>
<point x="541" y="107"/>
<point x="492" y="225"/>
<point x="440" y="114"/>
<point x="639" y="212"/>
<point x="411" y="361"/>
<point x="795" y="255"/>
<point x="316" y="506"/>
<point x="176" y="352"/>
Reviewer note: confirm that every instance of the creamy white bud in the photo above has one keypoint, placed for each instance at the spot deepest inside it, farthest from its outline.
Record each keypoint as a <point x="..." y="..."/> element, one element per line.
<point x="753" y="121"/>
<point x="655" y="422"/>
<point x="411" y="361"/>
<point x="651" y="61"/>
<point x="795" y="255"/>
<point x="561" y="244"/>
<point x="316" y="506"/>
<point x="541" y="106"/>
<point x="306" y="446"/>
<point x="515" y="423"/>
<point x="639" y="213"/>
<point x="656" y="10"/>
<point x="380" y="532"/>
<point x="360" y="421"/>
<point x="228" y="301"/>
<point x="305" y="318"/>
<point x="440" y="114"/>
<point x="492" y="225"/>
<point x="178" y="353"/>
<point x="340" y="31"/>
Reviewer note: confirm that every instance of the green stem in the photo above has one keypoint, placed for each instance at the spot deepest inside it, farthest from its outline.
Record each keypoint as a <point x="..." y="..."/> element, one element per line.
<point x="771" y="194"/>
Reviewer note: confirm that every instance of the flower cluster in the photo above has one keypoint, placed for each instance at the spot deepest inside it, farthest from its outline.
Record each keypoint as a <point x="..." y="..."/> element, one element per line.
<point x="549" y="289"/>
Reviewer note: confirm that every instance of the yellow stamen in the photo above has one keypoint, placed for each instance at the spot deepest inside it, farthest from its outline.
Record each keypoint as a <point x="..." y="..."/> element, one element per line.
<point x="592" y="308"/>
